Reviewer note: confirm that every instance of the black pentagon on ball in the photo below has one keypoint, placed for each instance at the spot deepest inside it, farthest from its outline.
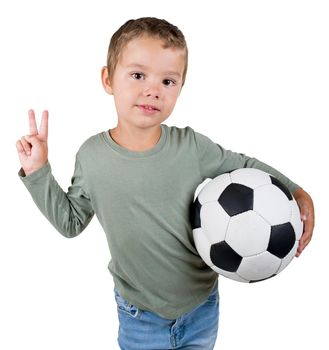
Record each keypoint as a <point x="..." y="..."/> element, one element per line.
<point x="282" y="187"/>
<point x="195" y="219"/>
<point x="224" y="257"/>
<point x="236" y="199"/>
<point x="282" y="240"/>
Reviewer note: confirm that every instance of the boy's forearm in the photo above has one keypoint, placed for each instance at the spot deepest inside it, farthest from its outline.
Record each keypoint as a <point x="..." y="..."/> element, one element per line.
<point x="55" y="204"/>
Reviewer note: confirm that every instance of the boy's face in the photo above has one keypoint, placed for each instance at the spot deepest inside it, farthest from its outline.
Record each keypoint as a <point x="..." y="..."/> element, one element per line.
<point x="146" y="82"/>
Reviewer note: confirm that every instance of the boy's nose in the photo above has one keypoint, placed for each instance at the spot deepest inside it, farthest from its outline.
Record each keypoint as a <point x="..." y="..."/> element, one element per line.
<point x="152" y="91"/>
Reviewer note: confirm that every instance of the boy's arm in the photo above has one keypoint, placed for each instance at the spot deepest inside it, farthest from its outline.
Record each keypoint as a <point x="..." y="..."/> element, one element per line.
<point x="215" y="160"/>
<point x="69" y="212"/>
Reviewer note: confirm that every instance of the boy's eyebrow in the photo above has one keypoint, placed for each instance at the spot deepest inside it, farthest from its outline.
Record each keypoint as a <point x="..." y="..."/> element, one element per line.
<point x="141" y="66"/>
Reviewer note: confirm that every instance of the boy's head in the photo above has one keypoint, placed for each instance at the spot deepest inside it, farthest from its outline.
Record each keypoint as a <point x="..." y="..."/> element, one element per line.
<point x="152" y="27"/>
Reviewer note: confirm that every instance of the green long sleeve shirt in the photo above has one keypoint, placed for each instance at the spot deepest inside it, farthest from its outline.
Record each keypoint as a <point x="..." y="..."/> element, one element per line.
<point x="142" y="201"/>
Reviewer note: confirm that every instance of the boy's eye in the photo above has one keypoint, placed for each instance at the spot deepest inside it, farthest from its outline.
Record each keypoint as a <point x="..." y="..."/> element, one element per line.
<point x="168" y="82"/>
<point x="137" y="76"/>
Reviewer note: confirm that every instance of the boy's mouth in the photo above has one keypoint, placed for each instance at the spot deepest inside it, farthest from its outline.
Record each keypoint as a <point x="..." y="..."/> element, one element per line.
<point x="148" y="108"/>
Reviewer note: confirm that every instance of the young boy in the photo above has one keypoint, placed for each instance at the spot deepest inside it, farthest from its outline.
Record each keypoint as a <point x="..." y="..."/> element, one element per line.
<point x="139" y="179"/>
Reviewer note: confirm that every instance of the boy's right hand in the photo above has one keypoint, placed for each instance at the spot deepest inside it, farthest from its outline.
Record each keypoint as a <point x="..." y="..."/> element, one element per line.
<point x="33" y="148"/>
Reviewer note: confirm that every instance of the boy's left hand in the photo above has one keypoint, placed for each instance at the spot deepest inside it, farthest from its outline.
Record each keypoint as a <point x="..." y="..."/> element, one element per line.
<point x="306" y="208"/>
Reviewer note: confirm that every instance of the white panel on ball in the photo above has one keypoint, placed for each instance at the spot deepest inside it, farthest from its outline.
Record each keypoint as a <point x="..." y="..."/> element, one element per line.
<point x="202" y="242"/>
<point x="214" y="189"/>
<point x="248" y="233"/>
<point x="259" y="267"/>
<point x="250" y="177"/>
<point x="268" y="197"/>
<point x="214" y="221"/>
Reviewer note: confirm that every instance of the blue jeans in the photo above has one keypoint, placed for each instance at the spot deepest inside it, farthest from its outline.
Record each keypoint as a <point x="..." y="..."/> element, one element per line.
<point x="145" y="330"/>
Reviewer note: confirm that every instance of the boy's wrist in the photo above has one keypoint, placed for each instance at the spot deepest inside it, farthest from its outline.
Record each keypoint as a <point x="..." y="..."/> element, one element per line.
<point x="29" y="171"/>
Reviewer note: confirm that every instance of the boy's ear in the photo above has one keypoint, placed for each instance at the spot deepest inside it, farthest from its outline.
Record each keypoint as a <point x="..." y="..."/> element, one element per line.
<point x="106" y="81"/>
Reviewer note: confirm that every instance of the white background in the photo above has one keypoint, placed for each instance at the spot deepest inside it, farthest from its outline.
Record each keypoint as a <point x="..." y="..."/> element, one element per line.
<point x="257" y="83"/>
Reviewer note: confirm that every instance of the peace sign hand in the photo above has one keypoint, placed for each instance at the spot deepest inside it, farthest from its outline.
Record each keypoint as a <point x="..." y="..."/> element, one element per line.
<point x="33" y="148"/>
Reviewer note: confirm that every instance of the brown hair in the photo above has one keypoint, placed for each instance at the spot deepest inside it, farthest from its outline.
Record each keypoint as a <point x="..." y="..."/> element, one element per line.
<point x="150" y="26"/>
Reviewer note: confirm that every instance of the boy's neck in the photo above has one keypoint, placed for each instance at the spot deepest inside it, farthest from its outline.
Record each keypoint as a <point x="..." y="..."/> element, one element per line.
<point x="137" y="140"/>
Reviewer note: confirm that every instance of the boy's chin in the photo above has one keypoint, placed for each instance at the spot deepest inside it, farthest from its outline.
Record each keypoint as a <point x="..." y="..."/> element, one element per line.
<point x="150" y="122"/>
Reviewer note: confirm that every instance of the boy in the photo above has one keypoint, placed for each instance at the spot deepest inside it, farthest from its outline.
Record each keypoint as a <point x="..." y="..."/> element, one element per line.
<point x="139" y="179"/>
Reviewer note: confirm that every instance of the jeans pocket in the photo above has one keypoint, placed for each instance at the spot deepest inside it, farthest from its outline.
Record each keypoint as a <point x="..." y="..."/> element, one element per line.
<point x="125" y="307"/>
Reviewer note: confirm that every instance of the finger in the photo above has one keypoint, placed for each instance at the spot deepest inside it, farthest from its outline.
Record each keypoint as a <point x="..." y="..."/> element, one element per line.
<point x="26" y="145"/>
<point x="307" y="234"/>
<point x="299" y="249"/>
<point x="301" y="245"/>
<point x="43" y="131"/>
<point x="32" y="123"/>
<point x="304" y="213"/>
<point x="19" y="147"/>
<point x="308" y="227"/>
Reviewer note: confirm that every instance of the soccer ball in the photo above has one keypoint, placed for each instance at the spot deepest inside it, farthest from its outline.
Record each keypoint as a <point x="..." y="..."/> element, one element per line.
<point x="246" y="225"/>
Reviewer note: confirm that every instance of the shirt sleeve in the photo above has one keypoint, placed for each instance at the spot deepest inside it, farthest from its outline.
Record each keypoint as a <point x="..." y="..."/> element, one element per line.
<point x="69" y="212"/>
<point x="214" y="160"/>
